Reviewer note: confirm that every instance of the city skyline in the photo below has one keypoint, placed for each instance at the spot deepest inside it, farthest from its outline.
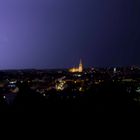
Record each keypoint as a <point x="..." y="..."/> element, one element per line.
<point x="51" y="34"/>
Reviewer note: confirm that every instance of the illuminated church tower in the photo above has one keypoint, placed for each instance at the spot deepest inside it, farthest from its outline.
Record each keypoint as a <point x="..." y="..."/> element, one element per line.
<point x="80" y="66"/>
<point x="79" y="69"/>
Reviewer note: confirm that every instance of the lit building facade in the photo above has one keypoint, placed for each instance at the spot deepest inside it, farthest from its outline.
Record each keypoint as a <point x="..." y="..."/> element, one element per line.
<point x="77" y="69"/>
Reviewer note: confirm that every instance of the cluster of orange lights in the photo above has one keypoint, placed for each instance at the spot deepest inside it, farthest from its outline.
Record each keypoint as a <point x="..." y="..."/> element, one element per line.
<point x="77" y="69"/>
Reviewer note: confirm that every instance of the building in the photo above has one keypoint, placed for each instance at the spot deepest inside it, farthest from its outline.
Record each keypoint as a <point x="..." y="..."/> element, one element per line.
<point x="77" y="69"/>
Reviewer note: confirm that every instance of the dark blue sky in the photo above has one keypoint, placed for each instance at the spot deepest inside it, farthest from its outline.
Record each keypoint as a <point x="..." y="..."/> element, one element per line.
<point x="57" y="33"/>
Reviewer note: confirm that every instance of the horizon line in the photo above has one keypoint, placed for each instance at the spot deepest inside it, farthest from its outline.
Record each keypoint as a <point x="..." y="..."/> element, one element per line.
<point x="68" y="68"/>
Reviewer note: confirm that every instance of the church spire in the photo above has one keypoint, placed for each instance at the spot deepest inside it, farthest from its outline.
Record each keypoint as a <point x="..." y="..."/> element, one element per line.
<point x="80" y="66"/>
<point x="77" y="69"/>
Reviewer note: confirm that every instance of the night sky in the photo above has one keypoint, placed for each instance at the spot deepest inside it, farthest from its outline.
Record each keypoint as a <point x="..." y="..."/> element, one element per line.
<point x="57" y="33"/>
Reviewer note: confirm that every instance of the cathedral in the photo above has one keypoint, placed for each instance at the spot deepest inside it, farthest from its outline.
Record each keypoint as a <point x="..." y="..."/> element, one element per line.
<point x="77" y="69"/>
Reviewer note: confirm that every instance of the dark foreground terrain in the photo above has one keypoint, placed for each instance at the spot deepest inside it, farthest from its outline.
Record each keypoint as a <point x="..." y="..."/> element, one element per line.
<point x="108" y="98"/>
<point x="59" y="92"/>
